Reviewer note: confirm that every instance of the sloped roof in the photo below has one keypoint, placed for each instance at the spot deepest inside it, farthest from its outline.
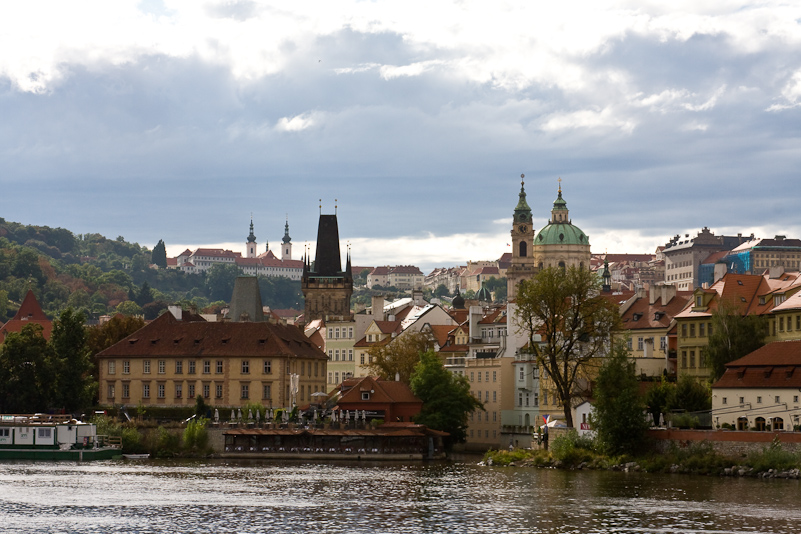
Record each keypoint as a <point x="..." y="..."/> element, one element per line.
<point x="440" y="333"/>
<point x="775" y="365"/>
<point x="382" y="391"/>
<point x="195" y="338"/>
<point x="30" y="312"/>
<point x="643" y="315"/>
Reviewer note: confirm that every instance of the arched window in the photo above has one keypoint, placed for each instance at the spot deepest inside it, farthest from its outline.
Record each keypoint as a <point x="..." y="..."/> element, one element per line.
<point x="562" y="265"/>
<point x="778" y="423"/>
<point x="523" y="250"/>
<point x="759" y="423"/>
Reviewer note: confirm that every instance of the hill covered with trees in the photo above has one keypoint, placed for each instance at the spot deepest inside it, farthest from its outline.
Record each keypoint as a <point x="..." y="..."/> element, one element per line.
<point x="96" y="275"/>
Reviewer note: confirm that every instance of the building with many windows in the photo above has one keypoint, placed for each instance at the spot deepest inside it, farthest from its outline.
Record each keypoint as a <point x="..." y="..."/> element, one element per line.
<point x="179" y="356"/>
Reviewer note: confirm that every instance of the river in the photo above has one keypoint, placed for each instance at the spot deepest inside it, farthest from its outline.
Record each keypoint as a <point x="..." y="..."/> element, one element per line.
<point x="304" y="497"/>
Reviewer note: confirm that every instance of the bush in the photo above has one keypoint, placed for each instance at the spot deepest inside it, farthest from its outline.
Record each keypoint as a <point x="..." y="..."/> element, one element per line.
<point x="683" y="420"/>
<point x="196" y="437"/>
<point x="168" y="444"/>
<point x="572" y="449"/>
<point x="773" y="457"/>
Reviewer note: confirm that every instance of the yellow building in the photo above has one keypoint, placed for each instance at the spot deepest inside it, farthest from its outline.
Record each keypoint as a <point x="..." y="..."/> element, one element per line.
<point x="179" y="356"/>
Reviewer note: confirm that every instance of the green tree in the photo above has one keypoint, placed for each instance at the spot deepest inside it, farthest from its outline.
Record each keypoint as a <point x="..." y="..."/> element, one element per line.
<point x="159" y="255"/>
<point x="658" y="398"/>
<point x="400" y="356"/>
<point x="75" y="381"/>
<point x="446" y="397"/>
<point x="441" y="291"/>
<point x="27" y="373"/>
<point x="618" y="408"/>
<point x="690" y="395"/>
<point x="103" y="336"/>
<point x="732" y="336"/>
<point x="498" y="288"/>
<point x="220" y="280"/>
<point x="145" y="294"/>
<point x="565" y="308"/>
<point x="129" y="307"/>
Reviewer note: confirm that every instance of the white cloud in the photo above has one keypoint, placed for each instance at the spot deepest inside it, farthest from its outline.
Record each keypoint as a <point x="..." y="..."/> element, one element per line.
<point x="604" y="119"/>
<point x="297" y="123"/>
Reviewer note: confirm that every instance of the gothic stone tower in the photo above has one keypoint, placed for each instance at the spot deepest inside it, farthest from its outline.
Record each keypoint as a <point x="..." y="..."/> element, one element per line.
<point x="522" y="266"/>
<point x="326" y="287"/>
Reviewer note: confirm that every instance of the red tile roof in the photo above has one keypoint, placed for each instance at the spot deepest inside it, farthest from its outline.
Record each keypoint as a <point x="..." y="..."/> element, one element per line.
<point x="29" y="313"/>
<point x="776" y="365"/>
<point x="194" y="337"/>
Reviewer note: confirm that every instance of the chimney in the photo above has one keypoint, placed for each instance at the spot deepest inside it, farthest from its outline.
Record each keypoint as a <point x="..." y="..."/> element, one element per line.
<point x="668" y="292"/>
<point x="653" y="294"/>
<point x="417" y="297"/>
<point x="176" y="312"/>
<point x="720" y="271"/>
<point x="378" y="307"/>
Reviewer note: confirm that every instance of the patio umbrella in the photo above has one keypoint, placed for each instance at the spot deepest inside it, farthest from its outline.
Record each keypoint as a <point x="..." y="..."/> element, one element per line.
<point x="216" y="415"/>
<point x="250" y="415"/>
<point x="258" y="416"/>
<point x="347" y="416"/>
<point x="239" y="414"/>
<point x="233" y="415"/>
<point x="661" y="419"/>
<point x="314" y="416"/>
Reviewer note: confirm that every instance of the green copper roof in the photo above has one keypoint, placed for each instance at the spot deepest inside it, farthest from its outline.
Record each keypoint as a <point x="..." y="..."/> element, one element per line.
<point x="286" y="238"/>
<point x="561" y="234"/>
<point x="251" y="237"/>
<point x="522" y="210"/>
<point x="559" y="203"/>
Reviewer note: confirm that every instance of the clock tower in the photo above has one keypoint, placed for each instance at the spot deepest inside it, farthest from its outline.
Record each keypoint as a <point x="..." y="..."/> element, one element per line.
<point x="522" y="266"/>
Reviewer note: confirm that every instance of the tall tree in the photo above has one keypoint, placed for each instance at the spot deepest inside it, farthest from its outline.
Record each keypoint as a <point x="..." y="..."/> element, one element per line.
<point x="75" y="381"/>
<point x="159" y="255"/>
<point x="565" y="308"/>
<point x="145" y="294"/>
<point x="446" y="397"/>
<point x="399" y="356"/>
<point x="618" y="408"/>
<point x="27" y="373"/>
<point x="103" y="336"/>
<point x="733" y="336"/>
<point x="220" y="279"/>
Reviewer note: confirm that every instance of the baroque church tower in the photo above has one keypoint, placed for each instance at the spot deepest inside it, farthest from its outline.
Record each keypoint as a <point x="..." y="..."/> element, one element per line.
<point x="522" y="266"/>
<point x="286" y="244"/>
<point x="326" y="287"/>
<point x="250" y="244"/>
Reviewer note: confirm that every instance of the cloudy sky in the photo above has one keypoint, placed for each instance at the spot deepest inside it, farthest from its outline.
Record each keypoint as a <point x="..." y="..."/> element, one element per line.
<point x="178" y="119"/>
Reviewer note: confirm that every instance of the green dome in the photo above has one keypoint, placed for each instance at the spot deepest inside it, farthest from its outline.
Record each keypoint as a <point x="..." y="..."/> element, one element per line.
<point x="561" y="234"/>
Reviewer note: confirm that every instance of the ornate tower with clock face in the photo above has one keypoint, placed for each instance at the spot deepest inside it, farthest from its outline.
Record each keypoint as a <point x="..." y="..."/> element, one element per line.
<point x="522" y="234"/>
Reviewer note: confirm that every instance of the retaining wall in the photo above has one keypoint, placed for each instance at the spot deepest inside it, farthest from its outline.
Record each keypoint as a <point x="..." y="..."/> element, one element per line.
<point x="727" y="442"/>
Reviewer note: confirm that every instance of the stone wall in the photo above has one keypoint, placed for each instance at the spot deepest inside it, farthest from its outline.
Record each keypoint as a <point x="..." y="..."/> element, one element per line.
<point x="726" y="442"/>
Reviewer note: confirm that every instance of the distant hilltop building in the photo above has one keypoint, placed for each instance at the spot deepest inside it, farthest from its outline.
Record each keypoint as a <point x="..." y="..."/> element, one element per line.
<point x="264" y="264"/>
<point x="399" y="276"/>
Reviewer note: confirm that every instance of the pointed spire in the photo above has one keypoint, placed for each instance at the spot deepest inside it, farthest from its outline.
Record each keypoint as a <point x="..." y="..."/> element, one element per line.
<point x="251" y="237"/>
<point x="522" y="210"/>
<point x="286" y="238"/>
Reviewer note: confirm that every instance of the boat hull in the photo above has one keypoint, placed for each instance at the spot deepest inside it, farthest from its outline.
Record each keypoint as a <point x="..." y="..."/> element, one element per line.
<point x="105" y="453"/>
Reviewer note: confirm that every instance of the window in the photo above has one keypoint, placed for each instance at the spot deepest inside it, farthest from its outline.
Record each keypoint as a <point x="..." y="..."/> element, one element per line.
<point x="361" y="359"/>
<point x="663" y="343"/>
<point x="206" y="367"/>
<point x="365" y="395"/>
<point x="486" y="376"/>
<point x="161" y="391"/>
<point x="628" y="344"/>
<point x="520" y="399"/>
<point x="479" y="376"/>
<point x="494" y="417"/>
<point x="336" y="377"/>
<point x="179" y="367"/>
<point x="44" y="433"/>
<point x="725" y="400"/>
<point x="191" y="367"/>
<point x="219" y="367"/>
<point x="759" y="400"/>
<point x="126" y="367"/>
<point x="702" y="330"/>
<point x="495" y="376"/>
<point x="191" y="391"/>
<point x="350" y="332"/>
<point x="692" y="358"/>
<point x="692" y="330"/>
<point x="471" y="376"/>
<point x="245" y="391"/>
<point x="336" y="355"/>
<point x="112" y="367"/>
<point x="536" y="399"/>
<point x="245" y="367"/>
<point x="179" y="390"/>
<point x="742" y="400"/>
<point x="639" y="343"/>
<point x="126" y="390"/>
<point x="145" y="391"/>
<point x="162" y="366"/>
<point x="266" y="392"/>
<point x="699" y="301"/>
<point x="268" y="367"/>
<point x="776" y="400"/>
<point x="684" y="359"/>
<point x="350" y="355"/>
<point x="684" y="330"/>
<point x="330" y="377"/>
<point x="330" y="355"/>
<point x="111" y="391"/>
<point x="5" y="432"/>
<point x="545" y="397"/>
<point x="218" y="391"/>
<point x="494" y="396"/>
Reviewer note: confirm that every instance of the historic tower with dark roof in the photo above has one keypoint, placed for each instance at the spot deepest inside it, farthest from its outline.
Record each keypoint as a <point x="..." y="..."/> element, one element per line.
<point x="250" y="244"/>
<point x="326" y="287"/>
<point x="522" y="265"/>
<point x="286" y="243"/>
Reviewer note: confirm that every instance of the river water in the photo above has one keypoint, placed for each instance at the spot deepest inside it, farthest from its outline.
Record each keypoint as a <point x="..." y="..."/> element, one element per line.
<point x="304" y="497"/>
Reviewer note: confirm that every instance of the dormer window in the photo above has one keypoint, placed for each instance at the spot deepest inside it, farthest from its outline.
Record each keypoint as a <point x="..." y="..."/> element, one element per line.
<point x="365" y="395"/>
<point x="637" y="316"/>
<point x="699" y="301"/>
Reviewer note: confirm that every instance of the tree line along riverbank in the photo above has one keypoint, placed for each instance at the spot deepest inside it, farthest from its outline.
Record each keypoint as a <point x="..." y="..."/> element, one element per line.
<point x="572" y="451"/>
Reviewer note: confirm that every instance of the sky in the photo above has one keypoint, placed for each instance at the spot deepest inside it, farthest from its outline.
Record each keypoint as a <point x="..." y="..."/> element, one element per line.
<point x="182" y="119"/>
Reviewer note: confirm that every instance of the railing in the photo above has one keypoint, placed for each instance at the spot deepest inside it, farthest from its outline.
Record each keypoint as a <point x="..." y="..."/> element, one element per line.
<point x="109" y="441"/>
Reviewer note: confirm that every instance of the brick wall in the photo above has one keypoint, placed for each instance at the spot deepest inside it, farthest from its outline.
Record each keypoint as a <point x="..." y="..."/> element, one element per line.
<point x="726" y="442"/>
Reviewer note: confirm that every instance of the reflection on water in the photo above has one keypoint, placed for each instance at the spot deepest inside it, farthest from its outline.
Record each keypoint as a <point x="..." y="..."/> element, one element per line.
<point x="225" y="496"/>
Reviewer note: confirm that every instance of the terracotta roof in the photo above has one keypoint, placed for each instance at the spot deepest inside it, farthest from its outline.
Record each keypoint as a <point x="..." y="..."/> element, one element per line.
<point x="440" y="333"/>
<point x="194" y="337"/>
<point x="382" y="270"/>
<point x="29" y="313"/>
<point x="216" y="252"/>
<point x="715" y="256"/>
<point x="776" y="365"/>
<point x="642" y="315"/>
<point x="383" y="391"/>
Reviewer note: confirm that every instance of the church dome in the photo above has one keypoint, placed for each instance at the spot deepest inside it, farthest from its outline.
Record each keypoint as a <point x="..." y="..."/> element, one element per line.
<point x="458" y="301"/>
<point x="560" y="230"/>
<point x="484" y="294"/>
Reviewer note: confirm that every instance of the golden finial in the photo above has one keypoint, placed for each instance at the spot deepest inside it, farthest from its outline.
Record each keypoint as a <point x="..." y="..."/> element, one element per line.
<point x="522" y="180"/>
<point x="321" y="206"/>
<point x="560" y="184"/>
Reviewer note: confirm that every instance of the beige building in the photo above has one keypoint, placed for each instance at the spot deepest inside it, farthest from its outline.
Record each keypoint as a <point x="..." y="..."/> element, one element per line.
<point x="179" y="356"/>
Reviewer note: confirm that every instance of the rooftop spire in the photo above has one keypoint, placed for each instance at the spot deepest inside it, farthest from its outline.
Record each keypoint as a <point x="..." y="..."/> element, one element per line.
<point x="251" y="237"/>
<point x="286" y="238"/>
<point x="522" y="211"/>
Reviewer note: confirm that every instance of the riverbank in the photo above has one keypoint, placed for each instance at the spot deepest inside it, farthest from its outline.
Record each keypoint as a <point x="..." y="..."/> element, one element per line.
<point x="701" y="458"/>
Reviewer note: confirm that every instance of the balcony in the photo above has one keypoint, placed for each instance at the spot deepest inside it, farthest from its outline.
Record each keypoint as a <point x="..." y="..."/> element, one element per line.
<point x="455" y="362"/>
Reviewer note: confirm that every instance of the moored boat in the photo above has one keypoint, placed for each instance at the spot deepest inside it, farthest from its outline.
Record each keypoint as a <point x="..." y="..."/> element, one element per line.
<point x="52" y="437"/>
